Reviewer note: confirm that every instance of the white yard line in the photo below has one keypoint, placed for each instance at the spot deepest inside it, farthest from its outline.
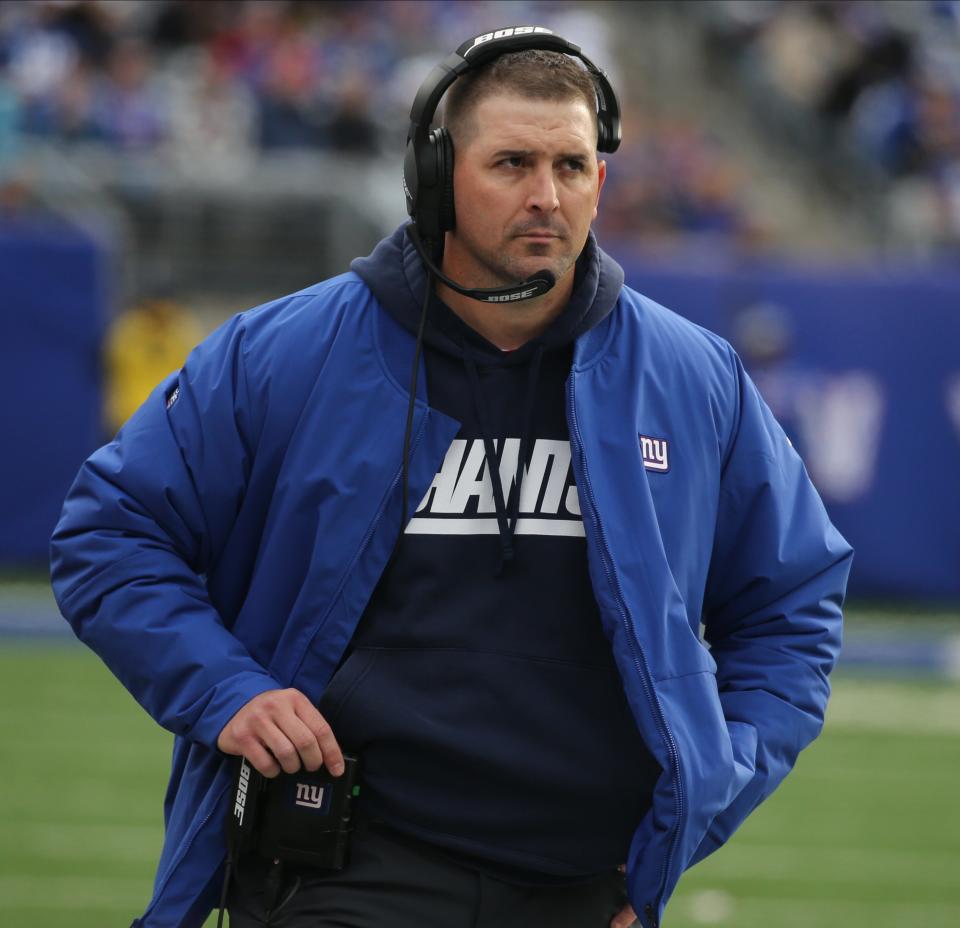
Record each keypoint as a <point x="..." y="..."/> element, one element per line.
<point x="708" y="906"/>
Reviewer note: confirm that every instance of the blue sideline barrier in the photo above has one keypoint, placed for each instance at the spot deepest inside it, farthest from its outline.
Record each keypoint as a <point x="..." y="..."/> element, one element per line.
<point x="53" y="299"/>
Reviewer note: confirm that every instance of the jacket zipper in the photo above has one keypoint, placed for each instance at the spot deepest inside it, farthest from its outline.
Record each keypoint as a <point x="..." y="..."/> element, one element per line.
<point x="180" y="859"/>
<point x="368" y="535"/>
<point x="639" y="659"/>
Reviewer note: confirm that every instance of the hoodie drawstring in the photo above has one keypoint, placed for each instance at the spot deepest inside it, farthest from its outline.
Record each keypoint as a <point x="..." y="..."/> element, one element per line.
<point x="506" y="521"/>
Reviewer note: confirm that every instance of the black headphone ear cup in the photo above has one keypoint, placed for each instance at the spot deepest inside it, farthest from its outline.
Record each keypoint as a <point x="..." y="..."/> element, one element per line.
<point x="603" y="134"/>
<point x="443" y="149"/>
<point x="411" y="182"/>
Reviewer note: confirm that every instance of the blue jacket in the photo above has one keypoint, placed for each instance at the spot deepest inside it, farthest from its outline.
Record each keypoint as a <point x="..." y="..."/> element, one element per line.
<point x="228" y="540"/>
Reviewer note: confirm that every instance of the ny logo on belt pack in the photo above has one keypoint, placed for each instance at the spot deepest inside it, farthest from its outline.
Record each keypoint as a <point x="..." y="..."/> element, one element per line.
<point x="310" y="795"/>
<point x="654" y="452"/>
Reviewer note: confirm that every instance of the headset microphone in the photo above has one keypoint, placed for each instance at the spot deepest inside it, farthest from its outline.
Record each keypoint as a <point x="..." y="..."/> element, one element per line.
<point x="533" y="286"/>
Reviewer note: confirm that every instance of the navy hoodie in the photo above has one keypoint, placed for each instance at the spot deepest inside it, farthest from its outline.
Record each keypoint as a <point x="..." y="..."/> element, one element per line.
<point x="479" y="688"/>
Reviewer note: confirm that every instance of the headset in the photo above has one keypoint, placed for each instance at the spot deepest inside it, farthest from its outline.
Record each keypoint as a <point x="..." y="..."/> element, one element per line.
<point x="428" y="162"/>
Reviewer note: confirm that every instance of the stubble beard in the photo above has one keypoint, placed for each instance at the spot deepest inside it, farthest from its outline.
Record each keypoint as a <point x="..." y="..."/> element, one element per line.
<point x="509" y="268"/>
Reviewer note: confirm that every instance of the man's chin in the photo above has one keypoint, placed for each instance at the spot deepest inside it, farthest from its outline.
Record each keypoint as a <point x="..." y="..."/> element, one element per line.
<point x="532" y="265"/>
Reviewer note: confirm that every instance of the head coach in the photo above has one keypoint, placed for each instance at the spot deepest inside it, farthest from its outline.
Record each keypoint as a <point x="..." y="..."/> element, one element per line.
<point x="463" y="511"/>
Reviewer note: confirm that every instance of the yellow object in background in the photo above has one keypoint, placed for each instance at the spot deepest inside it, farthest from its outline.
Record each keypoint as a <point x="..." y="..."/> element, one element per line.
<point x="144" y="345"/>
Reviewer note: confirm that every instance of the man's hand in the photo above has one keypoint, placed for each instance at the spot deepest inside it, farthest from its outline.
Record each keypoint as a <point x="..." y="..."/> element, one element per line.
<point x="282" y="729"/>
<point x="626" y="916"/>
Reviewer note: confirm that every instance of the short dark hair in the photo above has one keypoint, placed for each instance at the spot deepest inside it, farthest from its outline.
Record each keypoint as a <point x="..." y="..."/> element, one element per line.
<point x="533" y="73"/>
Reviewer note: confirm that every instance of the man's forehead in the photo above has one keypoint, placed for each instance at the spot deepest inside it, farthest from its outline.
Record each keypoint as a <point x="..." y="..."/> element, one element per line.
<point x="511" y="120"/>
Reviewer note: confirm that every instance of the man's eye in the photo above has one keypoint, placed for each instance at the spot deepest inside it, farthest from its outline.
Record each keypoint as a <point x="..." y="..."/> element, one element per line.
<point x="514" y="161"/>
<point x="574" y="164"/>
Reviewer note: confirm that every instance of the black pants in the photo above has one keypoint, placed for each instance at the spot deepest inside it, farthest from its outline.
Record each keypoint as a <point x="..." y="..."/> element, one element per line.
<point x="394" y="882"/>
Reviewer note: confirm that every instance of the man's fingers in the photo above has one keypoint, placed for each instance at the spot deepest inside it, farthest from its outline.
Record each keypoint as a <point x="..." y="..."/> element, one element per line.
<point x="262" y="760"/>
<point x="304" y="741"/>
<point x="626" y="916"/>
<point x="332" y="756"/>
<point x="282" y="748"/>
<point x="282" y="729"/>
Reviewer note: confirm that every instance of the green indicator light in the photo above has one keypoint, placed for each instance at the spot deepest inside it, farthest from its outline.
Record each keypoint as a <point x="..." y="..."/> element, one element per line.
<point x="356" y="792"/>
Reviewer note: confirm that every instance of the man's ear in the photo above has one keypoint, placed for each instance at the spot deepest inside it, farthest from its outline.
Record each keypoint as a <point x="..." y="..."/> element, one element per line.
<point x="601" y="177"/>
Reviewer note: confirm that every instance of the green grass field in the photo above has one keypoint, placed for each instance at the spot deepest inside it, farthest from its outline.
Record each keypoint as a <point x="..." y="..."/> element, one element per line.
<point x="865" y="834"/>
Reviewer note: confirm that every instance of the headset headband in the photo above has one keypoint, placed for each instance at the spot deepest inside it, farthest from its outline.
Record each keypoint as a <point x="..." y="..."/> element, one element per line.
<point x="482" y="48"/>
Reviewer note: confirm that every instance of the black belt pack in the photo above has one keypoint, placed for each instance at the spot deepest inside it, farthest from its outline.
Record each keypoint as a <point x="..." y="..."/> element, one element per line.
<point x="299" y="817"/>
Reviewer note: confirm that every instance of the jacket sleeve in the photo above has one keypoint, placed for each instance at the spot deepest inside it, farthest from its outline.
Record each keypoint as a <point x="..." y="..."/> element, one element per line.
<point x="146" y="516"/>
<point x="772" y="608"/>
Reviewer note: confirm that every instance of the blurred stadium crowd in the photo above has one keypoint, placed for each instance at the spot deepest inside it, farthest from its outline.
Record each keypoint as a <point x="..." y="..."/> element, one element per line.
<point x="869" y="88"/>
<point x="215" y="86"/>
<point x="874" y="87"/>
<point x="263" y="75"/>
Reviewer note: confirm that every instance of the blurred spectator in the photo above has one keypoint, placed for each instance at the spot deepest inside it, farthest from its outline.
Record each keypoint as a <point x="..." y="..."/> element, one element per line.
<point x="886" y="58"/>
<point x="803" y="48"/>
<point x="38" y="60"/>
<point x="350" y="127"/>
<point x="871" y="85"/>
<point x="288" y="118"/>
<point x="9" y="121"/>
<point x="131" y="109"/>
<point x="69" y="111"/>
<point x="89" y="29"/>
<point x="213" y="118"/>
<point x="15" y="197"/>
<point x="143" y="345"/>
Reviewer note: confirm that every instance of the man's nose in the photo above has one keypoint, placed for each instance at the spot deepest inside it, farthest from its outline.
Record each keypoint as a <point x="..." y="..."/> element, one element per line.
<point x="542" y="195"/>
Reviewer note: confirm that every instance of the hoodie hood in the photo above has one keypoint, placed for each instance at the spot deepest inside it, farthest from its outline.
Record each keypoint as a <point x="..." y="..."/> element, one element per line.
<point x="395" y="274"/>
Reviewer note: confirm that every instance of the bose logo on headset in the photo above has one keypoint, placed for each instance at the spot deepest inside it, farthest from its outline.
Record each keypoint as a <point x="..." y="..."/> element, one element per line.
<point x="504" y="33"/>
<point x="510" y="297"/>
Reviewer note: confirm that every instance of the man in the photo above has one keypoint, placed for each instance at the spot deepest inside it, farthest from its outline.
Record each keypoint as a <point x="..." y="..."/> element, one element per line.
<point x="522" y="675"/>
